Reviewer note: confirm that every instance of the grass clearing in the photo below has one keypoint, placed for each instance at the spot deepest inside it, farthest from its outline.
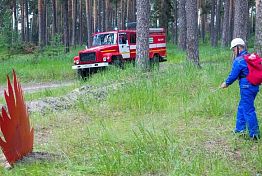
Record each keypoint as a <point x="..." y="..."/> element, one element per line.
<point x="169" y="122"/>
<point x="39" y="67"/>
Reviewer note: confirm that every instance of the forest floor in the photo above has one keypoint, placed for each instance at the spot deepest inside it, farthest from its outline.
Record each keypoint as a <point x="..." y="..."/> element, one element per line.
<point x="175" y="121"/>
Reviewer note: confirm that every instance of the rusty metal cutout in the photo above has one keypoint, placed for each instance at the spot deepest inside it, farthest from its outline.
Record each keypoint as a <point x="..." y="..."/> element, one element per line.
<point x="15" y="125"/>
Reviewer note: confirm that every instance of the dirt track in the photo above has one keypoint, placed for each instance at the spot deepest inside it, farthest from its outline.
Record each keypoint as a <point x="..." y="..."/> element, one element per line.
<point x="30" y="88"/>
<point x="70" y="99"/>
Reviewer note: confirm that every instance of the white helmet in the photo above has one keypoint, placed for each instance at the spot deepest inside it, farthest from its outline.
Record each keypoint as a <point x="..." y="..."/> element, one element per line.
<point x="237" y="41"/>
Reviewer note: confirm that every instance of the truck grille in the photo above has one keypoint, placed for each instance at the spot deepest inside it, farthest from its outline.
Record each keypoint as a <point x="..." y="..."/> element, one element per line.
<point x="84" y="57"/>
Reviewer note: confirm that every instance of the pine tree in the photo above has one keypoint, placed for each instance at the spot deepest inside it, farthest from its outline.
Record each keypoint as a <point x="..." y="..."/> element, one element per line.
<point x="182" y="24"/>
<point x="241" y="19"/>
<point x="258" y="32"/>
<point x="192" y="31"/>
<point x="142" y="45"/>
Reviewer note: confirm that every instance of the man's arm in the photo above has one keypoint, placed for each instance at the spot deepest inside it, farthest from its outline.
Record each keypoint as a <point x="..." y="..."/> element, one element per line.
<point x="233" y="74"/>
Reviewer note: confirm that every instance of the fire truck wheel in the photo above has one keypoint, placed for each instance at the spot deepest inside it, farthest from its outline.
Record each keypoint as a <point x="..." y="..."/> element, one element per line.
<point x="80" y="74"/>
<point x="118" y="62"/>
<point x="154" y="62"/>
<point x="83" y="73"/>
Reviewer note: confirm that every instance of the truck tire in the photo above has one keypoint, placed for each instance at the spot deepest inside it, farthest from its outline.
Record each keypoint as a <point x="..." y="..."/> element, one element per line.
<point x="154" y="62"/>
<point x="83" y="73"/>
<point x="117" y="61"/>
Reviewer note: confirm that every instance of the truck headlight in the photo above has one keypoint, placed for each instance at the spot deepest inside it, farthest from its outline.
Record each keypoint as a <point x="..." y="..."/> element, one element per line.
<point x="77" y="62"/>
<point x="104" y="59"/>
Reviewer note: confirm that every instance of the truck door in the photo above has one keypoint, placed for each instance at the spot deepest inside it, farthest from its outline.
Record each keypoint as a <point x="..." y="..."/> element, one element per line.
<point x="124" y="48"/>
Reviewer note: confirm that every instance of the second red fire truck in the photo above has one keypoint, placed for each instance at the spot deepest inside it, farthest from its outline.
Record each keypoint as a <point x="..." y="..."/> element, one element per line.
<point x="117" y="47"/>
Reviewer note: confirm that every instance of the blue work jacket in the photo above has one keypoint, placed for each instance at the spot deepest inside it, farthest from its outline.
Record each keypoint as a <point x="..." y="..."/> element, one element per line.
<point x="239" y="71"/>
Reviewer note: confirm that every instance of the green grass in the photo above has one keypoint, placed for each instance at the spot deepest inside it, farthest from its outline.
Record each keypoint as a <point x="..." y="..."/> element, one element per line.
<point x="169" y="122"/>
<point x="47" y="66"/>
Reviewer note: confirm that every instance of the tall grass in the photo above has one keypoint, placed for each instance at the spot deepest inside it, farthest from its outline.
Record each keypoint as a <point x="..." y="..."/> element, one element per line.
<point x="39" y="67"/>
<point x="174" y="121"/>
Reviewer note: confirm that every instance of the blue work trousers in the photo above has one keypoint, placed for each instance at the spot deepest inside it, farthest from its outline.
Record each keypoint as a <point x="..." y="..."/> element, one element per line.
<point x="246" y="114"/>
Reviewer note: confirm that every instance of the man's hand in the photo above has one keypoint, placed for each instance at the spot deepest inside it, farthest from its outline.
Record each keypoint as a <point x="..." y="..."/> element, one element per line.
<point x="223" y="85"/>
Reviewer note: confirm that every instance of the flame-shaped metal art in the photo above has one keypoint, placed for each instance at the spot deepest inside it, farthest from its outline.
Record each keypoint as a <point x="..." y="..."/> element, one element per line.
<point x="15" y="125"/>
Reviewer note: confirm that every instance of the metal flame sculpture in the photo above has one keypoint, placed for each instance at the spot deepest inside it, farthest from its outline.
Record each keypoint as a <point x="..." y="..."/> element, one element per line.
<point x="15" y="125"/>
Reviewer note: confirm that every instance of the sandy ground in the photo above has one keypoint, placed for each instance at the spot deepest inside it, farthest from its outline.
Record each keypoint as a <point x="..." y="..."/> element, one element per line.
<point x="30" y="88"/>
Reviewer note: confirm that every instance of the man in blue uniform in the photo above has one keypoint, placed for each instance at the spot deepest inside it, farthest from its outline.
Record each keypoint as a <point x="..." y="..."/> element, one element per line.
<point x="246" y="114"/>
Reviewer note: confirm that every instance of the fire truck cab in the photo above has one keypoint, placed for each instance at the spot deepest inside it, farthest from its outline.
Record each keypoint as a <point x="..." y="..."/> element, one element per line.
<point x="117" y="47"/>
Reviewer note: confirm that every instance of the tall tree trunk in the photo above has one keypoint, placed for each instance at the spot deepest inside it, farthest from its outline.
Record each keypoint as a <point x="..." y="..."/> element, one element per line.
<point x="30" y="29"/>
<point x="41" y="24"/>
<point x="88" y="22"/>
<point x="182" y="25"/>
<point x="203" y="20"/>
<point x="59" y="18"/>
<point x="130" y="11"/>
<point x="212" y="24"/>
<point x="231" y="19"/>
<point x="35" y="28"/>
<point x="258" y="32"/>
<point x="74" y="18"/>
<point x="80" y="22"/>
<point x="106" y="11"/>
<point x="131" y="15"/>
<point x="111" y="15"/>
<point x="163" y="22"/>
<point x="142" y="46"/>
<point x="175" y="22"/>
<point x="98" y="15"/>
<point x="251" y="22"/>
<point x="95" y="15"/>
<point x="66" y="26"/>
<point x="103" y="15"/>
<point x="118" y="14"/>
<point x="70" y="20"/>
<point x="22" y="4"/>
<point x="241" y="19"/>
<point x="203" y="27"/>
<point x="120" y="17"/>
<point x="45" y="23"/>
<point x="192" y="31"/>
<point x="54" y="29"/>
<point x="15" y="27"/>
<point x="217" y="26"/>
<point x="26" y="22"/>
<point x="128" y="8"/>
<point x="134" y="10"/>
<point x="123" y="13"/>
<point x="225" y="31"/>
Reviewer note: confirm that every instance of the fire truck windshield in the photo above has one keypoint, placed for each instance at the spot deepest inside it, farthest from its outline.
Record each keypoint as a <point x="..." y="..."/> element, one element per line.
<point x="104" y="39"/>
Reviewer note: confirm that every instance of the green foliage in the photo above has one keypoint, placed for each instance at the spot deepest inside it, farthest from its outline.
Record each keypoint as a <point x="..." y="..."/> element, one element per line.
<point x="251" y="42"/>
<point x="9" y="39"/>
<point x="22" y="48"/>
<point x="50" y="65"/>
<point x="6" y="29"/>
<point x="56" y="40"/>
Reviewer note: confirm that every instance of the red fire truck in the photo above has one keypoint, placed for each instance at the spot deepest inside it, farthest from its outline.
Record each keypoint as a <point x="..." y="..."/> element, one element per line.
<point x="117" y="47"/>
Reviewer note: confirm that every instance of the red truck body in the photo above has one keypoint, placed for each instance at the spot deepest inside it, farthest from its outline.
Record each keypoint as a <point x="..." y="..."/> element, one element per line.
<point x="119" y="46"/>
